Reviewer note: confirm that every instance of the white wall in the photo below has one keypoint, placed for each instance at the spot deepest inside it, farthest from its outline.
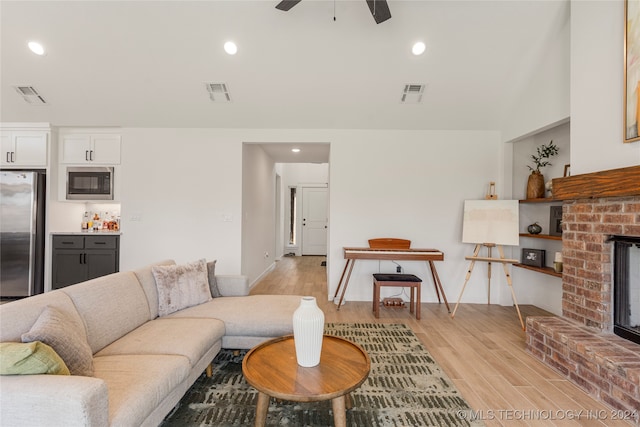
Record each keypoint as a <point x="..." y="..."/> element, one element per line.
<point x="181" y="184"/>
<point x="410" y="185"/>
<point x="258" y="212"/>
<point x="524" y="148"/>
<point x="542" y="100"/>
<point x="597" y="35"/>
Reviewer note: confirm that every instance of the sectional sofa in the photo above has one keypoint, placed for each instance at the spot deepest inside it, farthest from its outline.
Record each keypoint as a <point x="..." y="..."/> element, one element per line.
<point x="142" y="363"/>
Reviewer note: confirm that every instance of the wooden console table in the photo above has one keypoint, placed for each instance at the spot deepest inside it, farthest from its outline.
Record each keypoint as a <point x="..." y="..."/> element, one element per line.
<point x="428" y="255"/>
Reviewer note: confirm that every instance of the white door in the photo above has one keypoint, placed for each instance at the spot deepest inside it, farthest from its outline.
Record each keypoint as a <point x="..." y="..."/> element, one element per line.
<point x="314" y="221"/>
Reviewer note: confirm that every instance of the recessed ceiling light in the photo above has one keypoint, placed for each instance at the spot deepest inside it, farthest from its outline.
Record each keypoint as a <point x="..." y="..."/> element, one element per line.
<point x="230" y="48"/>
<point x="418" y="48"/>
<point x="295" y="150"/>
<point x="36" y="48"/>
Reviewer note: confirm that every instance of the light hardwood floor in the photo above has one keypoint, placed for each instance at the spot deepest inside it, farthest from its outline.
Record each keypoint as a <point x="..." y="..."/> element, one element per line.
<point x="482" y="350"/>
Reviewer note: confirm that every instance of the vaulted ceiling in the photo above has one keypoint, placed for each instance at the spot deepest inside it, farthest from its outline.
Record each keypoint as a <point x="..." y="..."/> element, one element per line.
<point x="145" y="63"/>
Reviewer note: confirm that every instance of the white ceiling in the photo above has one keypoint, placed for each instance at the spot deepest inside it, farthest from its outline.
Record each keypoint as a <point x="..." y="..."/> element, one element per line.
<point x="144" y="63"/>
<point x="309" y="153"/>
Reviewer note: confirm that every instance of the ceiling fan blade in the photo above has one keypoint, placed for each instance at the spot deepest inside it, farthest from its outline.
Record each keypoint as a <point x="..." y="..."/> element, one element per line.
<point x="379" y="9"/>
<point x="287" y="4"/>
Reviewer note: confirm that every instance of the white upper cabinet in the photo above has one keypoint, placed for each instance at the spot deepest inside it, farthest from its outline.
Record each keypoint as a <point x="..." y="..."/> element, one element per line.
<point x="24" y="148"/>
<point x="98" y="149"/>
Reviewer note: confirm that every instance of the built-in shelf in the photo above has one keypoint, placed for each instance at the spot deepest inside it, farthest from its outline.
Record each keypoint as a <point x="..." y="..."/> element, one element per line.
<point x="541" y="236"/>
<point x="545" y="270"/>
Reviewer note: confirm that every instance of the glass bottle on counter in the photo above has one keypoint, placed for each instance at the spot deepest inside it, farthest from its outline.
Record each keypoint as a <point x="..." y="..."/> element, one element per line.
<point x="85" y="221"/>
<point x="96" y="222"/>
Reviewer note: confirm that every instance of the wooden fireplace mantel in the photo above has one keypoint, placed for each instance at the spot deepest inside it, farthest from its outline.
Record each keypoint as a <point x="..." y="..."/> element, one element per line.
<point x="610" y="183"/>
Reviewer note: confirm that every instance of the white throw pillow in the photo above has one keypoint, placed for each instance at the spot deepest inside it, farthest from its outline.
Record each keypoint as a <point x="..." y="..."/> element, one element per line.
<point x="181" y="286"/>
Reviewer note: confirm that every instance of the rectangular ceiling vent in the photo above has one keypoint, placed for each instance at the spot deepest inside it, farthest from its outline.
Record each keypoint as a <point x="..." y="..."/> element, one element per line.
<point x="412" y="93"/>
<point x="30" y="95"/>
<point x="218" y="92"/>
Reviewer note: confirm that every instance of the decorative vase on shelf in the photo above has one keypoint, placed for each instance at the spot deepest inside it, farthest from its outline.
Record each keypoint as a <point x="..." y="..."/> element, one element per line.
<point x="535" y="185"/>
<point x="534" y="228"/>
<point x="308" y="330"/>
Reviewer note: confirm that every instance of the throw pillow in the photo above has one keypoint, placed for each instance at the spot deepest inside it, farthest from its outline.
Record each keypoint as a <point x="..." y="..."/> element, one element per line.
<point x="213" y="283"/>
<point x="181" y="286"/>
<point x="57" y="329"/>
<point x="31" y="358"/>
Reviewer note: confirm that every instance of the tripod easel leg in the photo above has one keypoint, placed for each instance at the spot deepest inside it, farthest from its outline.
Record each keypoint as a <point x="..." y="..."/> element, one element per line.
<point x="489" y="277"/>
<point x="466" y="280"/>
<point x="513" y="294"/>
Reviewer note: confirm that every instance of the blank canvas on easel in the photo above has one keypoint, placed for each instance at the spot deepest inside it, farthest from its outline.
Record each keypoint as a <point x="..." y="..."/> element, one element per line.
<point x="491" y="221"/>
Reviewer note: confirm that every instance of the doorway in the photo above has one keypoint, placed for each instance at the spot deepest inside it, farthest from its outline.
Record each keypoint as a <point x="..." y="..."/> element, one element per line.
<point x="314" y="220"/>
<point x="269" y="171"/>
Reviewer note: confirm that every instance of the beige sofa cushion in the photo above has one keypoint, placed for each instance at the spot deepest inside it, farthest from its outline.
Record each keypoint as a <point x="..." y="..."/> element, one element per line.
<point x="17" y="317"/>
<point x="254" y="315"/>
<point x="111" y="306"/>
<point x="137" y="384"/>
<point x="191" y="338"/>
<point x="52" y="401"/>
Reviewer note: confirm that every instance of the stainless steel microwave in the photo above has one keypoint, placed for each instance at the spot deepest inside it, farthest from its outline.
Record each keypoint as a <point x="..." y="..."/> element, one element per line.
<point x="90" y="183"/>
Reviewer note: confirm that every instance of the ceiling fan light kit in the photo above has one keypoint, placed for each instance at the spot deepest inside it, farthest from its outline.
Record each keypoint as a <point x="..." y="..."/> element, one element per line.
<point x="379" y="8"/>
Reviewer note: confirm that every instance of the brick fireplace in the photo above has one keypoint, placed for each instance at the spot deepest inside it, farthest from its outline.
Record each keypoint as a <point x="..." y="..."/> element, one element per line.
<point x="580" y="344"/>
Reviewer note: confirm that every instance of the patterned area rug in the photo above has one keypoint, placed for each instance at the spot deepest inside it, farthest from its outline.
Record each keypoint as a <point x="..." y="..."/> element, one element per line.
<point x="405" y="388"/>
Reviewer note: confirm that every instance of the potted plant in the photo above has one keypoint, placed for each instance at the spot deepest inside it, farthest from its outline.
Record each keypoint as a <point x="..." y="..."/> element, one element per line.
<point x="535" y="184"/>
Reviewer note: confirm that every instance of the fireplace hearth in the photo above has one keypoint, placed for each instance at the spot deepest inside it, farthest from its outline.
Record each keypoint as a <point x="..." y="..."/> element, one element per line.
<point x="593" y="344"/>
<point x="626" y="287"/>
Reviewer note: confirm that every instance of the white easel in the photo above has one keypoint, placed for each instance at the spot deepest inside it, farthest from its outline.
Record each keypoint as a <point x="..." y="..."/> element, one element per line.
<point x="489" y="259"/>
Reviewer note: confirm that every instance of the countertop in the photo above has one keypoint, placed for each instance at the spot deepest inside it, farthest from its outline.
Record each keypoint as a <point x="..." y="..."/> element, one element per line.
<point x="86" y="233"/>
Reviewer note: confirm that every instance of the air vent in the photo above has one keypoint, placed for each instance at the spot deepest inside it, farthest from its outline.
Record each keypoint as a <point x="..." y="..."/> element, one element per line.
<point x="412" y="93"/>
<point x="30" y="95"/>
<point x="218" y="92"/>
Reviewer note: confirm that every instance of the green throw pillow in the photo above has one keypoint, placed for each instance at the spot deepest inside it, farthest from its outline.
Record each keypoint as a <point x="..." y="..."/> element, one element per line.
<point x="31" y="358"/>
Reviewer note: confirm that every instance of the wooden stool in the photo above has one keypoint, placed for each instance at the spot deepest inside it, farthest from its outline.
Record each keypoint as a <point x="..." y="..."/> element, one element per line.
<point x="401" y="281"/>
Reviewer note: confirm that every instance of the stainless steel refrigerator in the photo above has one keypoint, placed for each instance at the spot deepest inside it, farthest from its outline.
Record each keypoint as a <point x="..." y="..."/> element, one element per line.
<point x="22" y="213"/>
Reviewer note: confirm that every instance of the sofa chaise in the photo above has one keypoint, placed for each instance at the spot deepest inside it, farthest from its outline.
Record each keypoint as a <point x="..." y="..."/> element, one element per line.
<point x="143" y="363"/>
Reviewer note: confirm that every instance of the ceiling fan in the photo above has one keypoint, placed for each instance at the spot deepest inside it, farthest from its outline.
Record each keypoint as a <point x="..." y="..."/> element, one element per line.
<point x="379" y="8"/>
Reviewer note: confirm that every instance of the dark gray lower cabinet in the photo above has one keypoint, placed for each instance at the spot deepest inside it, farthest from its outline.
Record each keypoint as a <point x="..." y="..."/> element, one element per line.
<point x="77" y="258"/>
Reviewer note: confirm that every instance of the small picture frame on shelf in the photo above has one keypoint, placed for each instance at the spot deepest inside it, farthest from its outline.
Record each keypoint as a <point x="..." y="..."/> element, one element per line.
<point x="567" y="170"/>
<point x="533" y="257"/>
<point x="555" y="221"/>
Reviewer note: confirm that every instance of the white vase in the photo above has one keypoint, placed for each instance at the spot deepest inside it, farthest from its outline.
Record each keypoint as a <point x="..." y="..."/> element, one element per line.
<point x="308" y="329"/>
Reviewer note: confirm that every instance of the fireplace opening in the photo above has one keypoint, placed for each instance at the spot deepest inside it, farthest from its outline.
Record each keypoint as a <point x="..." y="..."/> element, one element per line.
<point x="626" y="287"/>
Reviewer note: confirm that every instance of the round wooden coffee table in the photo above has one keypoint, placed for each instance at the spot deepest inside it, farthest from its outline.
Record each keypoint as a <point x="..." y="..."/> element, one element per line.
<point x="273" y="370"/>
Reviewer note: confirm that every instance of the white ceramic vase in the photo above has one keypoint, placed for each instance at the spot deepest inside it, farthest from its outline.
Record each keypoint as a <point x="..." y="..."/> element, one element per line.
<point x="308" y="329"/>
